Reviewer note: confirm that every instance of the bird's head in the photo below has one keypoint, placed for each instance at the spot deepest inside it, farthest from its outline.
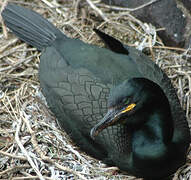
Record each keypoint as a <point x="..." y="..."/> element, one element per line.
<point x="128" y="101"/>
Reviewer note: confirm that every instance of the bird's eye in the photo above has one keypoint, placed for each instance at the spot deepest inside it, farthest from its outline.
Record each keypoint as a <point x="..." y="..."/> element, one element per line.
<point x="126" y="101"/>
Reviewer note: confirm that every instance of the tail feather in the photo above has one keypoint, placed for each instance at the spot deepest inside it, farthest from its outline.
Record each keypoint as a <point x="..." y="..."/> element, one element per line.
<point x="30" y="26"/>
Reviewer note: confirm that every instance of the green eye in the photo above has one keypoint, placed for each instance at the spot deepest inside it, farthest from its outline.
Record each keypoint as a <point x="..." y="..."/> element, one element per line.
<point x="126" y="101"/>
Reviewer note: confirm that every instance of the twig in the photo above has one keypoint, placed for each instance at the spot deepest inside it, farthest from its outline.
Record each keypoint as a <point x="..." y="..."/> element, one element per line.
<point x="93" y="6"/>
<point x="23" y="178"/>
<point x="18" y="63"/>
<point x="127" y="9"/>
<point x="30" y="177"/>
<point x="170" y="48"/>
<point x="68" y="170"/>
<point x="48" y="3"/>
<point x="13" y="169"/>
<point x="1" y="20"/>
<point x="188" y="77"/>
<point x="8" y="43"/>
<point x="24" y="150"/>
<point x="11" y="51"/>
<point x="150" y="47"/>
<point x="13" y="156"/>
<point x="164" y="47"/>
<point x="53" y="6"/>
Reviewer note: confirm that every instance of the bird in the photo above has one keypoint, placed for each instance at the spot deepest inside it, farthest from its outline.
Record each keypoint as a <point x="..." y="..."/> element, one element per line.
<point x="115" y="103"/>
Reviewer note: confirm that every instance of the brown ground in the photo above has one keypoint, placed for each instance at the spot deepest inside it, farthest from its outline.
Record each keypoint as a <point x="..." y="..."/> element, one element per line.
<point x="31" y="144"/>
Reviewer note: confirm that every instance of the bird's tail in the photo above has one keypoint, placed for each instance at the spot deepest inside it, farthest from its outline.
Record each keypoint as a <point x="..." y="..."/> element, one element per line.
<point x="30" y="26"/>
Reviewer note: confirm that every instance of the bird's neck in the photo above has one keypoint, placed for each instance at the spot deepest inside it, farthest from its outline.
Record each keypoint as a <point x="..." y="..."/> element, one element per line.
<point x="152" y="139"/>
<point x="159" y="125"/>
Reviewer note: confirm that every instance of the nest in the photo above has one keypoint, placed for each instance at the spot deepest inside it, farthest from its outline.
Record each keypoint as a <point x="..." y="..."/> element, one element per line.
<point x="32" y="145"/>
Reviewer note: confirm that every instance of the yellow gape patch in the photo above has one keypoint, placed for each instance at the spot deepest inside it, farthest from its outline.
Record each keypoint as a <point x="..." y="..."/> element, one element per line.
<point x="128" y="108"/>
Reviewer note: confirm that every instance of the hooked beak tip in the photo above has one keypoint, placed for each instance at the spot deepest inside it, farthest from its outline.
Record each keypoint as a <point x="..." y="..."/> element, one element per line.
<point x="95" y="131"/>
<point x="92" y="133"/>
<point x="104" y="123"/>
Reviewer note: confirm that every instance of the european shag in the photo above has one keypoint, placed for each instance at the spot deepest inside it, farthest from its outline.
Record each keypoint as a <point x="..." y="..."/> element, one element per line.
<point x="117" y="105"/>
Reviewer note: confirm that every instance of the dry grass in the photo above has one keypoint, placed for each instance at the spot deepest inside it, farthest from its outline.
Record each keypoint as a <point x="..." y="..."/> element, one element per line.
<point x="31" y="144"/>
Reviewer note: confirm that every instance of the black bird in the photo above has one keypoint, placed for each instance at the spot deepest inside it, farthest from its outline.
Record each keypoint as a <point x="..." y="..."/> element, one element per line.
<point x="143" y="128"/>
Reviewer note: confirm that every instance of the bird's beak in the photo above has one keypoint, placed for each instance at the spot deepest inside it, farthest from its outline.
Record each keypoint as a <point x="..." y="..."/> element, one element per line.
<point x="109" y="119"/>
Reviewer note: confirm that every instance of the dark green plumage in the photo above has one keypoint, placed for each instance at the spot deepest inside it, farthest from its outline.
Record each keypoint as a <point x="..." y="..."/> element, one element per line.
<point x="138" y="123"/>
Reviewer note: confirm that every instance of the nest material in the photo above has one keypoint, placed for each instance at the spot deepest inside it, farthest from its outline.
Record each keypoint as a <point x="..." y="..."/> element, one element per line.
<point x="32" y="146"/>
